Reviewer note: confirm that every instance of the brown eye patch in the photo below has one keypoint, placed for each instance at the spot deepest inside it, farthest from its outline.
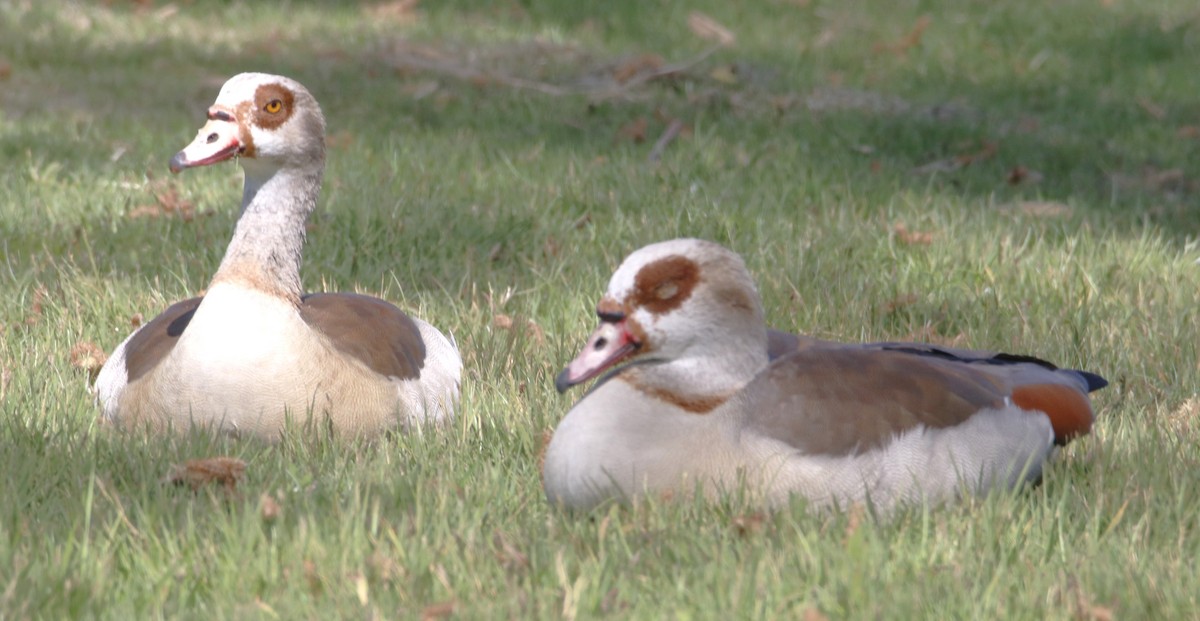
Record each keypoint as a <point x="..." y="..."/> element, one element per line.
<point x="272" y="105"/>
<point x="665" y="284"/>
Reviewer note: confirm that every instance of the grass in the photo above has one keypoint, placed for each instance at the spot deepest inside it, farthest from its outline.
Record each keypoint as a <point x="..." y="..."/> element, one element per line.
<point x="823" y="146"/>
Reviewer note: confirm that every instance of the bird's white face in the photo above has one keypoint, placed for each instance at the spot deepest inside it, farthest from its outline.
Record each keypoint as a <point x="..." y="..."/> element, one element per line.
<point x="270" y="121"/>
<point x="664" y="300"/>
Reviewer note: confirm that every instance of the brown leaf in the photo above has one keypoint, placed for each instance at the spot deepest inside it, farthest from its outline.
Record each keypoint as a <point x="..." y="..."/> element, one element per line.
<point x="901" y="46"/>
<point x="339" y="140"/>
<point x="899" y="302"/>
<point x="643" y="63"/>
<point x="1040" y="209"/>
<point x="1187" y="416"/>
<point x="749" y="524"/>
<point x="1188" y="132"/>
<point x="35" y="307"/>
<point x="1020" y="174"/>
<point x="269" y="508"/>
<point x="929" y="333"/>
<point x="440" y="610"/>
<point x="813" y="614"/>
<point x="507" y="554"/>
<point x="403" y="11"/>
<point x="137" y="320"/>
<point x="911" y="238"/>
<point x="725" y="74"/>
<point x="88" y="356"/>
<point x="5" y="69"/>
<point x="502" y="321"/>
<point x="956" y="162"/>
<point x="710" y="29"/>
<point x="197" y="472"/>
<point x="1155" y="111"/>
<point x="634" y="130"/>
<point x="312" y="577"/>
<point x="5" y="380"/>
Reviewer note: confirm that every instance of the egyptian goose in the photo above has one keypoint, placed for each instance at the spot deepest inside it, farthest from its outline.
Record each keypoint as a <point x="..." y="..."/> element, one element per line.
<point x="698" y="402"/>
<point x="254" y="352"/>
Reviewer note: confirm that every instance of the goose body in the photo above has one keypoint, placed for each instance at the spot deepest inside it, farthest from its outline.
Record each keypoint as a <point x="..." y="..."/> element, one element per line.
<point x="707" y="399"/>
<point x="254" y="352"/>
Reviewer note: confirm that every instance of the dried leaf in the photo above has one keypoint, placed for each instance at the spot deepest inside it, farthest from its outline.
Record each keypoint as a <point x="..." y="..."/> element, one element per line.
<point x="507" y="554"/>
<point x="1188" y="132"/>
<point x="1040" y="209"/>
<point x="1020" y="174"/>
<point x="710" y="29"/>
<point x="901" y="46"/>
<point x="1155" y="111"/>
<point x="5" y="380"/>
<point x="198" y="472"/>
<point x="440" y="610"/>
<point x="403" y="11"/>
<point x="644" y="63"/>
<point x="725" y="74"/>
<point x="813" y="614"/>
<point x="749" y="524"/>
<point x="929" y="333"/>
<point x="963" y="160"/>
<point x="899" y="302"/>
<point x="905" y="236"/>
<point x="339" y="140"/>
<point x="88" y="356"/>
<point x="137" y="320"/>
<point x="269" y="508"/>
<point x="1187" y="416"/>
<point x="634" y="130"/>
<point x="5" y="69"/>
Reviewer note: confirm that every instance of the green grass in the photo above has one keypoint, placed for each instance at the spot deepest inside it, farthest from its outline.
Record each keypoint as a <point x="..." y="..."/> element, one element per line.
<point x="462" y="200"/>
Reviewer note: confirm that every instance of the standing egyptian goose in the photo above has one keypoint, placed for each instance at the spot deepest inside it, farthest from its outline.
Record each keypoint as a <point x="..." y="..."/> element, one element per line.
<point x="255" y="352"/>
<point x="699" y="402"/>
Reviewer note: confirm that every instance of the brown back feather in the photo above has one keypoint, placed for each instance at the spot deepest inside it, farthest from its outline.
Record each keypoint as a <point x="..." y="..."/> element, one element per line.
<point x="156" y="339"/>
<point x="836" y="401"/>
<point x="368" y="329"/>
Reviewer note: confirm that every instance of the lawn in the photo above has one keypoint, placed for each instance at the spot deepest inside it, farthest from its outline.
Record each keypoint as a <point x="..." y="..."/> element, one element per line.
<point x="1021" y="176"/>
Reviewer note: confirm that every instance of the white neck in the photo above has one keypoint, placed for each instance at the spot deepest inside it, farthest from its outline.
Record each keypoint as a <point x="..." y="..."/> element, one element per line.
<point x="703" y="374"/>
<point x="266" y="248"/>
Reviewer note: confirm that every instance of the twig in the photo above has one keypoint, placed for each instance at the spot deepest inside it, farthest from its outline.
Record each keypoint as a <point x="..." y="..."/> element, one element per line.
<point x="404" y="60"/>
<point x="667" y="137"/>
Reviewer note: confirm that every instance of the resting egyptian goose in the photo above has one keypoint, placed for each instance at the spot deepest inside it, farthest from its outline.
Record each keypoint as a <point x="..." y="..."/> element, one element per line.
<point x="254" y="352"/>
<point x="698" y="402"/>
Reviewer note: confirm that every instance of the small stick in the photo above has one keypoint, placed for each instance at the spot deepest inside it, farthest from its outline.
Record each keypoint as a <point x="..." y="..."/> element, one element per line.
<point x="667" y="137"/>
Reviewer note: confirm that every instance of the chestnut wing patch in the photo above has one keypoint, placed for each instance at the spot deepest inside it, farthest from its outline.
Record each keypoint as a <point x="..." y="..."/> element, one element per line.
<point x="832" y="401"/>
<point x="368" y="329"/>
<point x="156" y="339"/>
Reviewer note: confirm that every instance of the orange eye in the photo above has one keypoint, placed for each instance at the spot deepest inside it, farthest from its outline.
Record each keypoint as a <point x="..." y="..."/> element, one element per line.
<point x="273" y="106"/>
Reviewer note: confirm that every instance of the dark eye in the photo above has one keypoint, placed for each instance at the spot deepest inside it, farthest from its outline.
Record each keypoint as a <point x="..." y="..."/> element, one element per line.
<point x="273" y="106"/>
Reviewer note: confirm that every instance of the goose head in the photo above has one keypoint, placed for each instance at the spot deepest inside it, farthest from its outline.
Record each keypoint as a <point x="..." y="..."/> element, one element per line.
<point x="681" y="300"/>
<point x="268" y="122"/>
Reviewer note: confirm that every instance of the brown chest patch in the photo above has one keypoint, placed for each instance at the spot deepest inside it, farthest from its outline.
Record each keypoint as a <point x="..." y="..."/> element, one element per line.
<point x="665" y="284"/>
<point x="156" y="339"/>
<point x="696" y="404"/>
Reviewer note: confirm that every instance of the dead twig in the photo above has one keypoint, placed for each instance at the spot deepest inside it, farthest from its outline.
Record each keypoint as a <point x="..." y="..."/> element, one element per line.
<point x="402" y="59"/>
<point x="668" y="136"/>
